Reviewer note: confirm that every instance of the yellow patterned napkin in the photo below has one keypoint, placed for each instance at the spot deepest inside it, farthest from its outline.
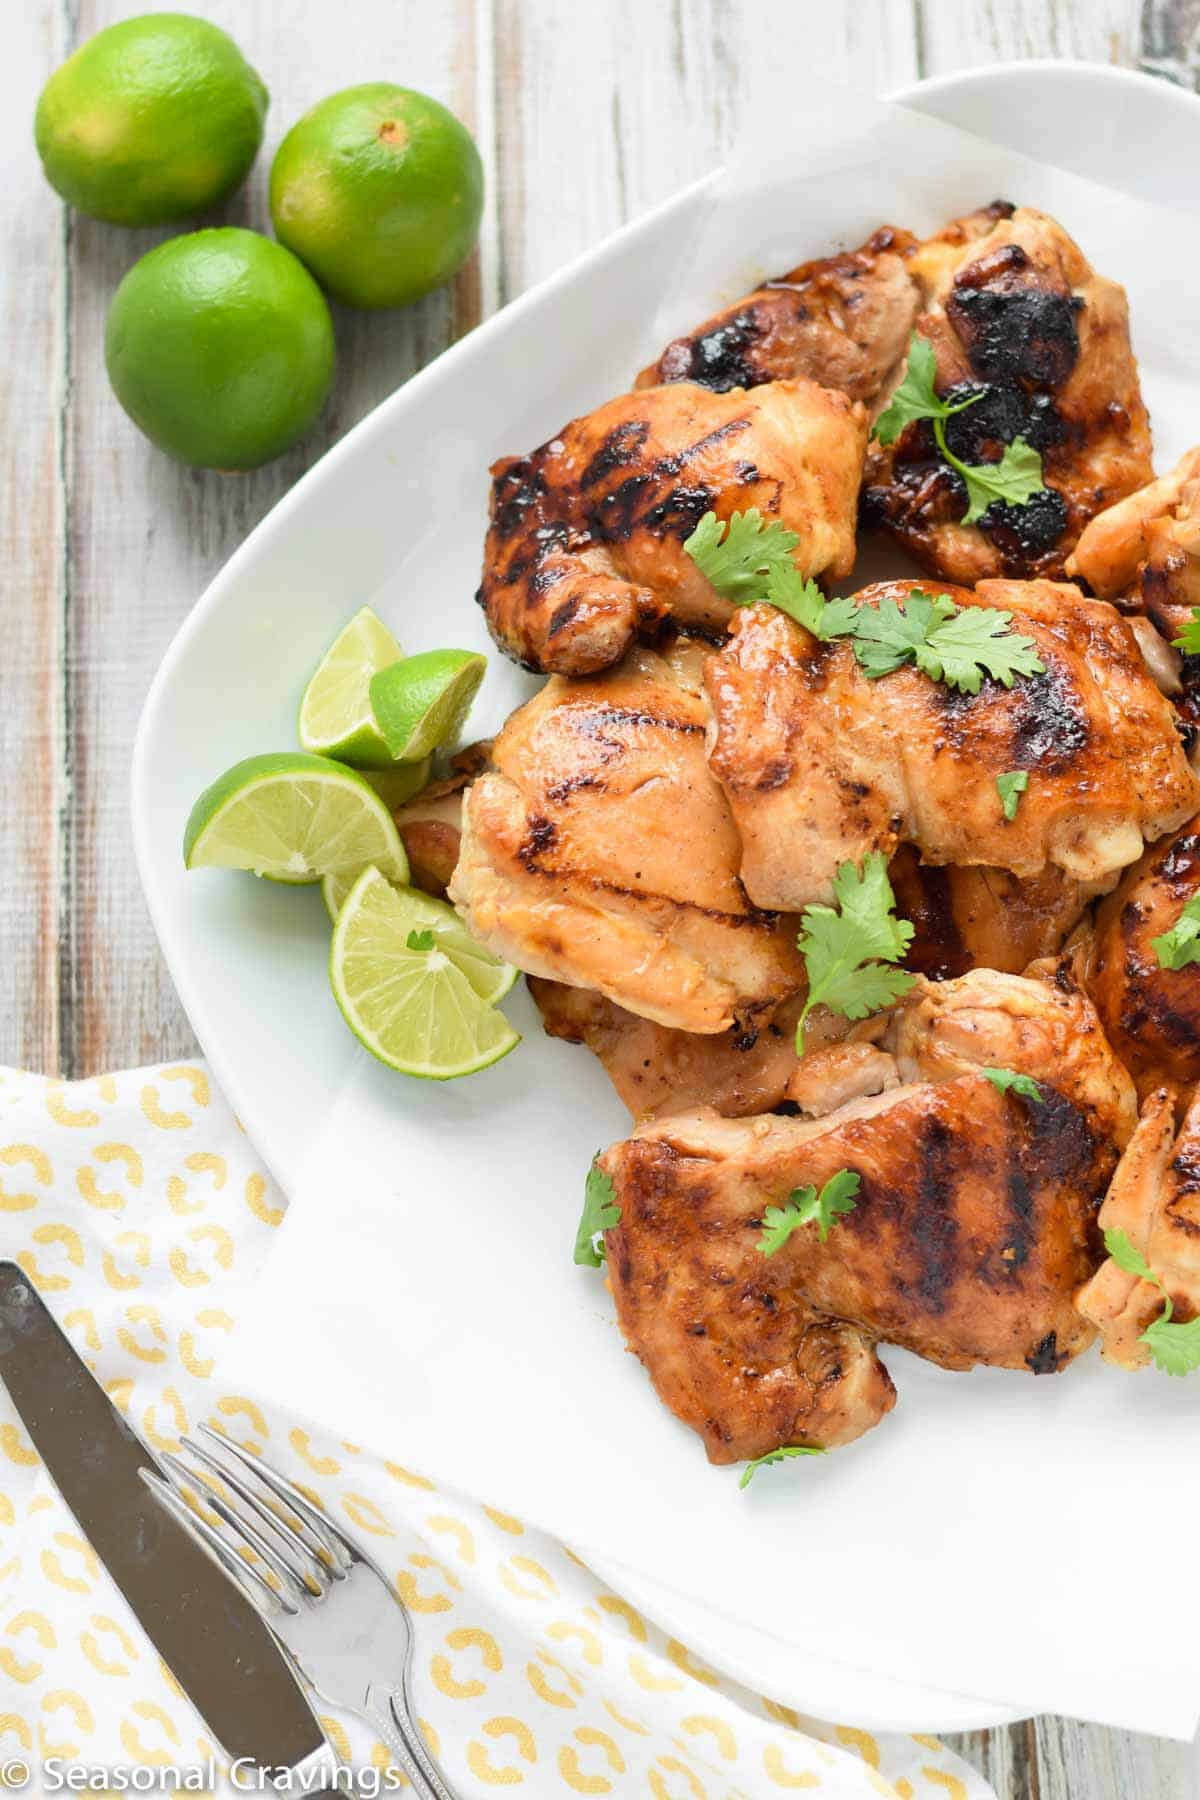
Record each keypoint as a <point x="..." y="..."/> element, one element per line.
<point x="136" y="1203"/>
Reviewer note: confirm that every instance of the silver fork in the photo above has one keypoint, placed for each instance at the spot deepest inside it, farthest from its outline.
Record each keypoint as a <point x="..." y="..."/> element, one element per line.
<point x="331" y="1608"/>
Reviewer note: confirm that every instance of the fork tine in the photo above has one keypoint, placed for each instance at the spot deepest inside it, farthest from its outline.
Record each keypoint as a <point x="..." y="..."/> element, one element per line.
<point x="262" y="1597"/>
<point x="322" y="1528"/>
<point x="294" y="1589"/>
<point x="302" y="1563"/>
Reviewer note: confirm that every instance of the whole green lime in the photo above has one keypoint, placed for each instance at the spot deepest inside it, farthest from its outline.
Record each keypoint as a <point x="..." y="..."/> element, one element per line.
<point x="219" y="346"/>
<point x="380" y="191"/>
<point x="150" y="120"/>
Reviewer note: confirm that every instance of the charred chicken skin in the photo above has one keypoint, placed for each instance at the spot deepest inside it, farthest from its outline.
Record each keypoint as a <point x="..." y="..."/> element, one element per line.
<point x="585" y="553"/>
<point x="972" y="1229"/>
<point x="822" y="765"/>
<point x="600" y="852"/>
<point x="842" y="321"/>
<point x="1019" y="317"/>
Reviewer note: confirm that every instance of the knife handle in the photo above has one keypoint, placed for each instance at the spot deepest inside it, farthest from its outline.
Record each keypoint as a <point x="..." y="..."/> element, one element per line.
<point x="388" y="1712"/>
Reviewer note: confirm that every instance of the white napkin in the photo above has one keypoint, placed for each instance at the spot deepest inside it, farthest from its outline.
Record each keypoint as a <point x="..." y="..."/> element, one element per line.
<point x="990" y="1538"/>
<point x="137" y="1204"/>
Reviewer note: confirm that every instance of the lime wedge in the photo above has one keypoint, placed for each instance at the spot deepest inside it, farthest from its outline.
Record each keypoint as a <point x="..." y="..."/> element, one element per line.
<point x="422" y="701"/>
<point x="335" y="713"/>
<point x="395" y="787"/>
<point x="399" y="782"/>
<point x="490" y="978"/>
<point x="292" y="817"/>
<point x="403" y="995"/>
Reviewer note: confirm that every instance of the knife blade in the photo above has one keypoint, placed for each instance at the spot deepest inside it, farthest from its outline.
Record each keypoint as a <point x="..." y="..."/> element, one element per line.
<point x="210" y="1637"/>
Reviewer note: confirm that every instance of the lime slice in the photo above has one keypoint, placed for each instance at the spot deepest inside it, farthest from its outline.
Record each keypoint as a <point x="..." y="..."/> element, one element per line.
<point x="490" y="978"/>
<point x="335" y="713"/>
<point x="423" y="701"/>
<point x="292" y="817"/>
<point x="407" y="1000"/>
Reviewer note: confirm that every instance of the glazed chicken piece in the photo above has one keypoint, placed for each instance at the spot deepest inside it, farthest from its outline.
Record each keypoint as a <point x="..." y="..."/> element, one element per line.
<point x="430" y="825"/>
<point x="585" y="549"/>
<point x="1145" y="553"/>
<point x="973" y="1227"/>
<point x="964" y="919"/>
<point x="600" y="852"/>
<point x="842" y="320"/>
<point x="980" y="918"/>
<point x="657" y="1071"/>
<point x="1020" y="317"/>
<point x="822" y="765"/>
<point x="1151" y="1014"/>
<point x="1155" y="1200"/>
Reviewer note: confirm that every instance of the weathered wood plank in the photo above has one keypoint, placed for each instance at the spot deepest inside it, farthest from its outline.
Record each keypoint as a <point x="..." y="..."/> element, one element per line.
<point x="146" y="535"/>
<point x="956" y="36"/>
<point x="1170" y="43"/>
<point x="33" y="405"/>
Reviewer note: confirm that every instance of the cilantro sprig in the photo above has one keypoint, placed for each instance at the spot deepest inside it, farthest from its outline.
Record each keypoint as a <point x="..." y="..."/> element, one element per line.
<point x="1181" y="944"/>
<point x="1016" y="478"/>
<point x="803" y="601"/>
<point x="805" y="1206"/>
<point x="1010" y="786"/>
<point x="957" y="646"/>
<point x="600" y="1214"/>
<point x="1189" y="638"/>
<point x="846" y="949"/>
<point x="1008" y="1081"/>
<point x="775" y="1456"/>
<point x="738" y="556"/>
<point x="1174" y="1346"/>
<point x="419" y="940"/>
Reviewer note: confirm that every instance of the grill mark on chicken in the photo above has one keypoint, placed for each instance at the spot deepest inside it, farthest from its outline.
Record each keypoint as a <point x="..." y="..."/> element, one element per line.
<point x="933" y="1225"/>
<point x="619" y="447"/>
<point x="937" y="949"/>
<point x="716" y="359"/>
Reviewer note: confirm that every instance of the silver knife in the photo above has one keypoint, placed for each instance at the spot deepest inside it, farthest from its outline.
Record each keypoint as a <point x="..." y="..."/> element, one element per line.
<point x="210" y="1637"/>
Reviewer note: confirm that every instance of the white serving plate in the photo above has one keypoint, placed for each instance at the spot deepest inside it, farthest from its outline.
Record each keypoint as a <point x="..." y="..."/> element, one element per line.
<point x="247" y="959"/>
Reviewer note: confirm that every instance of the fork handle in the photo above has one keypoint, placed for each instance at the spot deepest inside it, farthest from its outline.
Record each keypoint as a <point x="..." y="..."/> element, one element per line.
<point x="388" y="1712"/>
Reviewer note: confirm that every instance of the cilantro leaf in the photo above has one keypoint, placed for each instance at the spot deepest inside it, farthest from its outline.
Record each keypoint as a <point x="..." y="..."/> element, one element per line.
<point x="1015" y="478"/>
<point x="846" y="951"/>
<point x="803" y="601"/>
<point x="1175" y="1347"/>
<point x="1010" y="788"/>
<point x="1008" y="1081"/>
<point x="915" y="398"/>
<point x="773" y="1456"/>
<point x="420" y="940"/>
<point x="804" y="1206"/>
<point x="600" y="1214"/>
<point x="738" y="556"/>
<point x="955" y="645"/>
<point x="1189" y="638"/>
<point x="1181" y="945"/>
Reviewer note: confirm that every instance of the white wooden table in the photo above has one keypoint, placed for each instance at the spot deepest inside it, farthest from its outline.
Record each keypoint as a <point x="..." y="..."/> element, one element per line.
<point x="586" y="115"/>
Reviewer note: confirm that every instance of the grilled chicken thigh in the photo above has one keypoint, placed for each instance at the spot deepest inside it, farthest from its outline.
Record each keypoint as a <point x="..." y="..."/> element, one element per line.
<point x="1145" y="553"/>
<point x="1020" y="317"/>
<point x="973" y="1227"/>
<point x="1155" y="1200"/>
<point x="842" y="321"/>
<point x="1151" y="1014"/>
<point x="980" y="918"/>
<point x="585" y="548"/>
<point x="600" y="852"/>
<point x="822" y="765"/>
